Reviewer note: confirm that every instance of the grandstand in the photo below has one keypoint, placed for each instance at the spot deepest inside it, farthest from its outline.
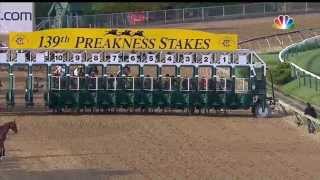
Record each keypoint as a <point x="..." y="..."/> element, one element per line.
<point x="171" y="16"/>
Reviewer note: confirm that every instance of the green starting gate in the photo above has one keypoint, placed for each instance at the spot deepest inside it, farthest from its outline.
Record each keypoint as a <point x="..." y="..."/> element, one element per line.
<point x="216" y="80"/>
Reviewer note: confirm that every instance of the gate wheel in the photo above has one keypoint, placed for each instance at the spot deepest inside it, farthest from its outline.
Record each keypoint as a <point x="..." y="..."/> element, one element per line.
<point x="263" y="114"/>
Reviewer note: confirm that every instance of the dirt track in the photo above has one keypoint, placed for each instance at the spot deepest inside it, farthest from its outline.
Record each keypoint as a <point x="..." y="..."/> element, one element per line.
<point x="158" y="147"/>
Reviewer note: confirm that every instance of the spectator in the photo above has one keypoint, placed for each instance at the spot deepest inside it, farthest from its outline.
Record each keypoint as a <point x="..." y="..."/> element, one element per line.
<point x="311" y="112"/>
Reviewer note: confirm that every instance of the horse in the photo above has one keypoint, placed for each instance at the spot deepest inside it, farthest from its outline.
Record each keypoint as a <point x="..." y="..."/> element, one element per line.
<point x="126" y="33"/>
<point x="112" y="32"/>
<point x="4" y="129"/>
<point x="138" y="33"/>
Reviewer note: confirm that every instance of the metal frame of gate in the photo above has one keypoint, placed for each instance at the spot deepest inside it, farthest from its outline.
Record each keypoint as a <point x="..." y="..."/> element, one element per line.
<point x="241" y="58"/>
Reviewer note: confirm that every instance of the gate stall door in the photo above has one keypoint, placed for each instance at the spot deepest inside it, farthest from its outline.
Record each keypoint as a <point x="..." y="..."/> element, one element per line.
<point x="132" y="70"/>
<point x="97" y="69"/>
<point x="168" y="71"/>
<point x="168" y="60"/>
<point x="20" y="76"/>
<point x="113" y="70"/>
<point x="150" y="60"/>
<point x="224" y="81"/>
<point x="150" y="70"/>
<point x="186" y="77"/>
<point x="39" y="83"/>
<point x="77" y="76"/>
<point x="186" y="71"/>
<point x="205" y="77"/>
<point x="58" y="80"/>
<point x="168" y="74"/>
<point x="242" y="74"/>
<point x="114" y="59"/>
<point x="95" y="74"/>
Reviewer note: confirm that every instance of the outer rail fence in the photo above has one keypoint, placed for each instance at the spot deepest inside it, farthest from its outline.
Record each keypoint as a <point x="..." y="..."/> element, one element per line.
<point x="176" y="16"/>
<point x="298" y="72"/>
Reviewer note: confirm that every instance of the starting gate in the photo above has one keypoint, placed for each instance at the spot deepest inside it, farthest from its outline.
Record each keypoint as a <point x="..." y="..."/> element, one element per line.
<point x="78" y="79"/>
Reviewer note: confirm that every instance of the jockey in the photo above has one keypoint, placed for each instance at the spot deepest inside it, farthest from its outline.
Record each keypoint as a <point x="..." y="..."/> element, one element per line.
<point x="62" y="71"/>
<point x="56" y="71"/>
<point x="167" y="82"/>
<point x="76" y="72"/>
<point x="203" y="83"/>
<point x="118" y="73"/>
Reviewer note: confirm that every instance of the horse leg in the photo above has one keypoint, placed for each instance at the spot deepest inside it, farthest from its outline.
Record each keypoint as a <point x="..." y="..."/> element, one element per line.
<point x="2" y="150"/>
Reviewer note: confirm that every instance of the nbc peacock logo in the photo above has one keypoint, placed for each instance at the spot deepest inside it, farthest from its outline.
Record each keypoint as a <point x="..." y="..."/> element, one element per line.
<point x="283" y="22"/>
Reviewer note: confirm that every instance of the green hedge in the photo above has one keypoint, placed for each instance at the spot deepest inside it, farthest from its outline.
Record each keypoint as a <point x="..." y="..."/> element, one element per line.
<point x="281" y="73"/>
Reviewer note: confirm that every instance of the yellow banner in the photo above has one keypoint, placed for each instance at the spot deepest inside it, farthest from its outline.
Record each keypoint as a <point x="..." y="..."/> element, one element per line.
<point x="123" y="39"/>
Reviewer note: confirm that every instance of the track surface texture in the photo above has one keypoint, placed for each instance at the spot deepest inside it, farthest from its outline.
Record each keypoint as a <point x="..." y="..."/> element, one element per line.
<point x="158" y="147"/>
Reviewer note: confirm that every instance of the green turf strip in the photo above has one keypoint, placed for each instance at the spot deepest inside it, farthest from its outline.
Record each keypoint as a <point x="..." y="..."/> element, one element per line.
<point x="304" y="93"/>
<point x="308" y="60"/>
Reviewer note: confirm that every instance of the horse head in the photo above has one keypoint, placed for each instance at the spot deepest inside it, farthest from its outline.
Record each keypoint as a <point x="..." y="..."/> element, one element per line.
<point x="13" y="126"/>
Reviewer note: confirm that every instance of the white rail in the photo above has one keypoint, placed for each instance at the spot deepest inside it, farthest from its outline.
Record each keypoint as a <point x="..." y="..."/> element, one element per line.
<point x="294" y="65"/>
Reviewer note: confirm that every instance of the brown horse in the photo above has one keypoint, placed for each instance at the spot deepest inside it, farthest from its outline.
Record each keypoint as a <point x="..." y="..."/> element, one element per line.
<point x="4" y="129"/>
